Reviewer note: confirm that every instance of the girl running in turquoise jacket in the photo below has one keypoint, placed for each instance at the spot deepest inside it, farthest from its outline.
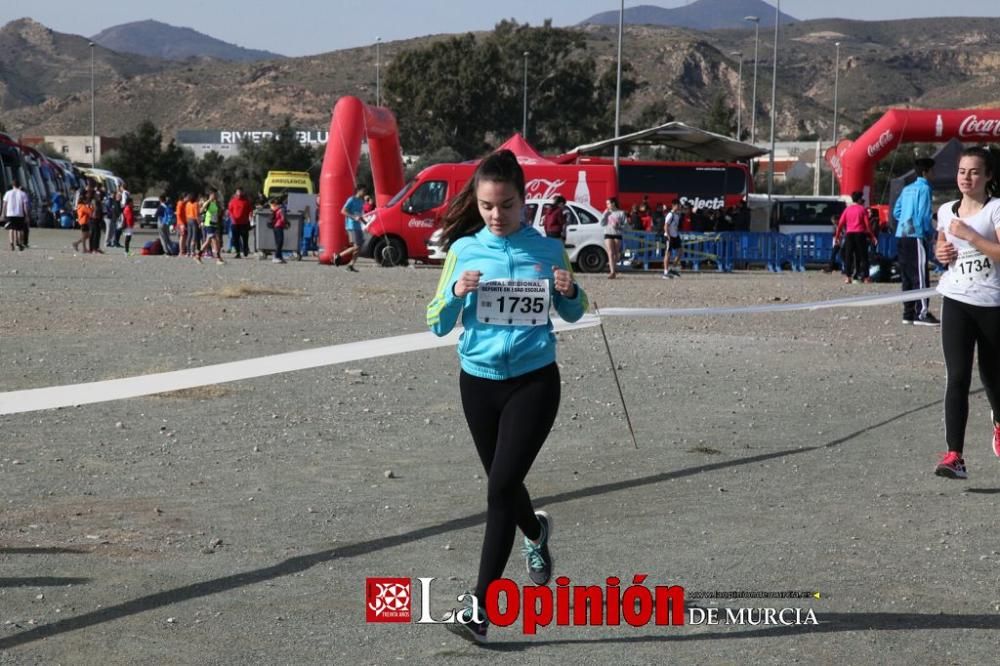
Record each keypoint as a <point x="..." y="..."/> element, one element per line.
<point x="503" y="276"/>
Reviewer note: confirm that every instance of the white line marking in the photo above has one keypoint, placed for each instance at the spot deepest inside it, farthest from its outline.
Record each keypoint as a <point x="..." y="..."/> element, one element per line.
<point x="70" y="395"/>
<point x="854" y="301"/>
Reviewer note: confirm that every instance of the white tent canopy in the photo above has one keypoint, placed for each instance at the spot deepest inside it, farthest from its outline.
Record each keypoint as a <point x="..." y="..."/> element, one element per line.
<point x="705" y="144"/>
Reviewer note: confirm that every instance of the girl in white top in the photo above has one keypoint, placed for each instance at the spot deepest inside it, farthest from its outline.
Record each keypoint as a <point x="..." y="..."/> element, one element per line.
<point x="613" y="222"/>
<point x="969" y="242"/>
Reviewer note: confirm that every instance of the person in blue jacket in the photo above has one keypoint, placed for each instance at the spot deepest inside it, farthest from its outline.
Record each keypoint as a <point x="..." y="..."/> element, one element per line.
<point x="915" y="230"/>
<point x="502" y="276"/>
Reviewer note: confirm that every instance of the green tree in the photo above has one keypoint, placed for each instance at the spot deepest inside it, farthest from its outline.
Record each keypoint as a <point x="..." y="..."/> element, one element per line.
<point x="137" y="157"/>
<point x="281" y="152"/>
<point x="720" y="117"/>
<point x="176" y="171"/>
<point x="654" y="114"/>
<point x="467" y="93"/>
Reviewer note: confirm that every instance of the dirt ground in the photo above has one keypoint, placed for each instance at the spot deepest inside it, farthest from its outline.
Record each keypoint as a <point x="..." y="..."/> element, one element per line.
<point x="238" y="522"/>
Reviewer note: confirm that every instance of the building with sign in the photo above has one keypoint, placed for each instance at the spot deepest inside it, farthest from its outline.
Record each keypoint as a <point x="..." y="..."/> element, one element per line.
<point x="226" y="142"/>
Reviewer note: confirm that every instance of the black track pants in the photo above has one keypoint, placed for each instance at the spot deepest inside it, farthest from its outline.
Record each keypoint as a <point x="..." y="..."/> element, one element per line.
<point x="964" y="329"/>
<point x="509" y="420"/>
<point x="913" y="270"/>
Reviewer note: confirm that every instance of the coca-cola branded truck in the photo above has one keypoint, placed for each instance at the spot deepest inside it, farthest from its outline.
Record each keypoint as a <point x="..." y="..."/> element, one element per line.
<point x="398" y="232"/>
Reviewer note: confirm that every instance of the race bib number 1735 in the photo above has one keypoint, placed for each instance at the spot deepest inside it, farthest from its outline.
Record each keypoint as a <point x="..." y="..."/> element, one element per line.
<point x="513" y="302"/>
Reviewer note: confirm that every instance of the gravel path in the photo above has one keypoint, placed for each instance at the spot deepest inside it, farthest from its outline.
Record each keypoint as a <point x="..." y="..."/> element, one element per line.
<point x="236" y="523"/>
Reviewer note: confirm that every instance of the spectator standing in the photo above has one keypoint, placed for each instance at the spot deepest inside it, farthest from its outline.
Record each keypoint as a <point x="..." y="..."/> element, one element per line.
<point x="239" y="211"/>
<point x="672" y="240"/>
<point x="554" y="221"/>
<point x="180" y="213"/>
<point x="634" y="221"/>
<point x="914" y="229"/>
<point x="123" y="200"/>
<point x="854" y="229"/>
<point x="17" y="211"/>
<point x="645" y="219"/>
<point x="659" y="219"/>
<point x="97" y="221"/>
<point x="164" y="219"/>
<point x="84" y="215"/>
<point x="58" y="204"/>
<point x="191" y="211"/>
<point x="128" y="221"/>
<point x="278" y="225"/>
<point x="613" y="222"/>
<point x="112" y="219"/>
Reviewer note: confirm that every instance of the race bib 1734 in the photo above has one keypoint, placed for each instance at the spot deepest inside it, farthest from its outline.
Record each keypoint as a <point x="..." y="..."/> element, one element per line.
<point x="971" y="265"/>
<point x="513" y="302"/>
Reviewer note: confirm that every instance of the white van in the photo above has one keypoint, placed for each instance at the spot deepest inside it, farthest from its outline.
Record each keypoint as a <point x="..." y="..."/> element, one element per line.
<point x="584" y="235"/>
<point x="795" y="214"/>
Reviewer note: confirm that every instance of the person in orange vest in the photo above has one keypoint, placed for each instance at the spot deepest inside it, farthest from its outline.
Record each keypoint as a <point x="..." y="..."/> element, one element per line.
<point x="181" y="214"/>
<point x="84" y="213"/>
<point x="192" y="211"/>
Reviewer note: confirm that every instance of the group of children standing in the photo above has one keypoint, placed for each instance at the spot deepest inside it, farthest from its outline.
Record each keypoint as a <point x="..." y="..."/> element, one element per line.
<point x="98" y="211"/>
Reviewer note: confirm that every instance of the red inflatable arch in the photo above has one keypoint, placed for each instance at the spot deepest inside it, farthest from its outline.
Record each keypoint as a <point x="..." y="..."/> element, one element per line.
<point x="854" y="162"/>
<point x="353" y="121"/>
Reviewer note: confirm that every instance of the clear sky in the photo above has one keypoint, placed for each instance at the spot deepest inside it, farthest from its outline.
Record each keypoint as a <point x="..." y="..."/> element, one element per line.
<point x="296" y="27"/>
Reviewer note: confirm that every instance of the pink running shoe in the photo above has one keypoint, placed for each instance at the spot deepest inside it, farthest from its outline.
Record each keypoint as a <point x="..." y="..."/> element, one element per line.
<point x="996" y="437"/>
<point x="952" y="466"/>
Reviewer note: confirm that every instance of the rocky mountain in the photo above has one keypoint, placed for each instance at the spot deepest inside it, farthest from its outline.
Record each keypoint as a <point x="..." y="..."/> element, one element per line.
<point x="37" y="64"/>
<point x="699" y="15"/>
<point x="45" y="85"/>
<point x="161" y="40"/>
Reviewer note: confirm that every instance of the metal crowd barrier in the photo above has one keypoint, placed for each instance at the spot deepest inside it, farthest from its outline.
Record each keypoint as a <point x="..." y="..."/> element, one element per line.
<point x="742" y="249"/>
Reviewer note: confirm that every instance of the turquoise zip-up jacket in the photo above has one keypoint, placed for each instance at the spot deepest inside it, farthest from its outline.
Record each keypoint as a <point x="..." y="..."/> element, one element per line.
<point x="913" y="211"/>
<point x="502" y="352"/>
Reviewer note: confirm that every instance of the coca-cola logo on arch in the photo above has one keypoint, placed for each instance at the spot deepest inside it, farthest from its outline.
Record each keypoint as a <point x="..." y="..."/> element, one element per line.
<point x="973" y="126"/>
<point x="883" y="140"/>
<point x="837" y="166"/>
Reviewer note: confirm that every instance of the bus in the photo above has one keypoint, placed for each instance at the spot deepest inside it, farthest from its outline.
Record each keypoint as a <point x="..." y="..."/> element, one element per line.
<point x="700" y="185"/>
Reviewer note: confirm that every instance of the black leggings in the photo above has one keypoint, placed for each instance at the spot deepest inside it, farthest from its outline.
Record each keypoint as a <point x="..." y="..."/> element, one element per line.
<point x="509" y="420"/>
<point x="856" y="255"/>
<point x="96" y="226"/>
<point x="964" y="328"/>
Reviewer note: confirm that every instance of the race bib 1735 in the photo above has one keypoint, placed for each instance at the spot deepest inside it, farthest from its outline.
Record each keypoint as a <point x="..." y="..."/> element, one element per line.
<point x="513" y="302"/>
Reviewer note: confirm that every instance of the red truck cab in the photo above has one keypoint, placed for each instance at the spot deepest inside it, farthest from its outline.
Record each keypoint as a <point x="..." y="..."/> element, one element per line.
<point x="399" y="231"/>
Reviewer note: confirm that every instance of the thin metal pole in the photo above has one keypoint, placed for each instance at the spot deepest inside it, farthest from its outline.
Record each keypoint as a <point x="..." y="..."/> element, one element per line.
<point x="93" y="121"/>
<point x="774" y="96"/>
<point x="524" y="124"/>
<point x="739" y="99"/>
<point x="836" y="85"/>
<point x="378" y="71"/>
<point x="753" y="102"/>
<point x="614" y="373"/>
<point x="618" y="87"/>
